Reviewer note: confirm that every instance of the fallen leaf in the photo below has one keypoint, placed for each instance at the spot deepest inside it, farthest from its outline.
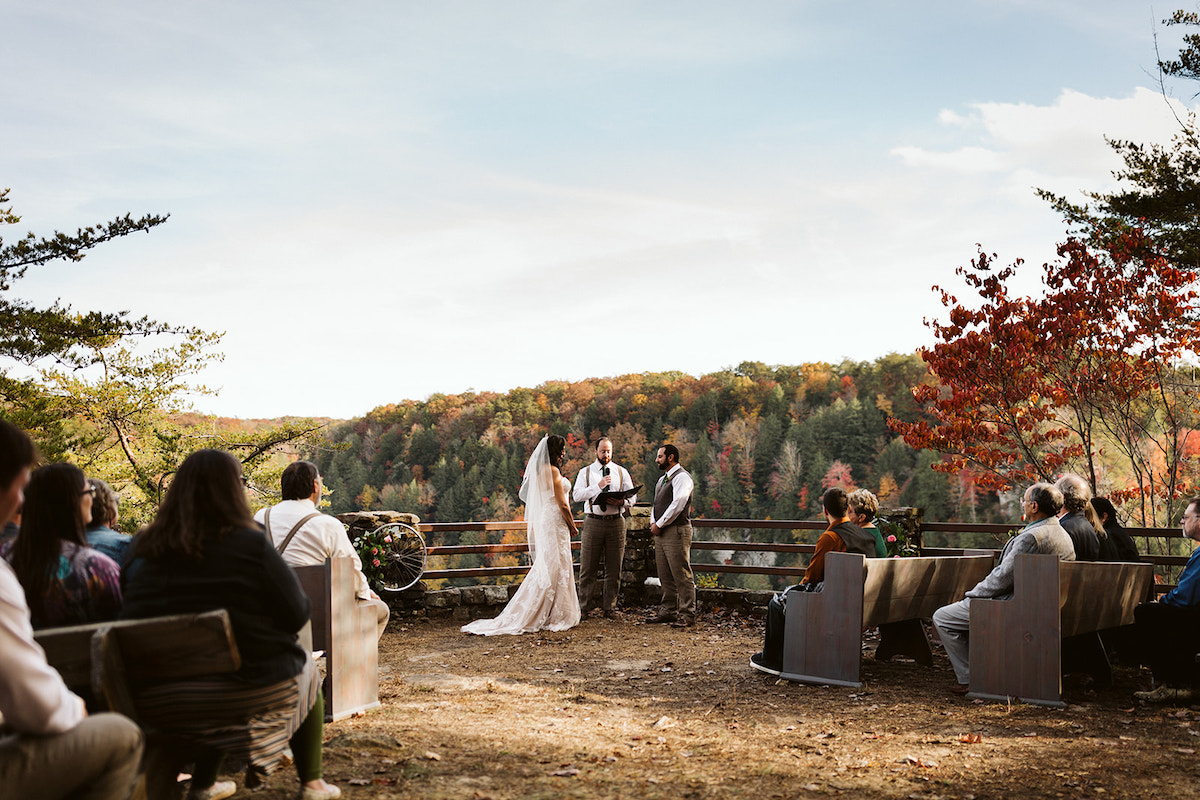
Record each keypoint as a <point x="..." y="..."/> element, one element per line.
<point x="432" y="756"/>
<point x="359" y="782"/>
<point x="1187" y="751"/>
<point x="570" y="772"/>
<point x="970" y="738"/>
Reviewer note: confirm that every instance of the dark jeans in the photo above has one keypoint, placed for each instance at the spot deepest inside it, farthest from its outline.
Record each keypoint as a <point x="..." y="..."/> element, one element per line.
<point x="1169" y="637"/>
<point x="773" y="640"/>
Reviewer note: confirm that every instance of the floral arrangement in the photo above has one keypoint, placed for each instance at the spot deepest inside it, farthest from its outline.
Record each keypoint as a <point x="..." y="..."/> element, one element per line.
<point x="895" y="538"/>
<point x="372" y="551"/>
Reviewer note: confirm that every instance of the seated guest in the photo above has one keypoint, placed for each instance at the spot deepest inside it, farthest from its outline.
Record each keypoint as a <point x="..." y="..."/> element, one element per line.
<point x="303" y="535"/>
<point x="1169" y="630"/>
<point x="100" y="531"/>
<point x="66" y="582"/>
<point x="1077" y="496"/>
<point x="10" y="529"/>
<point x="864" y="508"/>
<point x="49" y="747"/>
<point x="204" y="552"/>
<point x="843" y="536"/>
<point x="1117" y="545"/>
<point x="1042" y="534"/>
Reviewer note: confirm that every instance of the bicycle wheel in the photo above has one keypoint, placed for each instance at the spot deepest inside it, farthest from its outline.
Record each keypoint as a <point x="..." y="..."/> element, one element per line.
<point x="404" y="555"/>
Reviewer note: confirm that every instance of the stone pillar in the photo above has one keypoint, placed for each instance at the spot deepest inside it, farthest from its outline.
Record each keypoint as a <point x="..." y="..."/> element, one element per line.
<point x="639" y="561"/>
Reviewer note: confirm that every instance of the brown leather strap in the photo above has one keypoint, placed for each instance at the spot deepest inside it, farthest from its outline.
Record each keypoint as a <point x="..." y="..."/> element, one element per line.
<point x="295" y="528"/>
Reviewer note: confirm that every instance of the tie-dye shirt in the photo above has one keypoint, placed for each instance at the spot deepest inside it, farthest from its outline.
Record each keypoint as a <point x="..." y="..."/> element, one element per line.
<point x="85" y="588"/>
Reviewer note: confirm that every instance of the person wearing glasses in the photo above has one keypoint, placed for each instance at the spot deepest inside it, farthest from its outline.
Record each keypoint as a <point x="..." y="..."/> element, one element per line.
<point x="1169" y="630"/>
<point x="1042" y="534"/>
<point x="51" y="747"/>
<point x="66" y="582"/>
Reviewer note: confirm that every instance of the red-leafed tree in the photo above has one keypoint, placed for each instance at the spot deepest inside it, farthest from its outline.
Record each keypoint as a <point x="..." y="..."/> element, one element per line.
<point x="839" y="475"/>
<point x="1031" y="386"/>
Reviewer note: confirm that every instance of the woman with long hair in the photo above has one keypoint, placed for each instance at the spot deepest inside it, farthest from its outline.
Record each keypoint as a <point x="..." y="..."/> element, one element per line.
<point x="203" y="552"/>
<point x="66" y="582"/>
<point x="546" y="599"/>
<point x="1117" y="545"/>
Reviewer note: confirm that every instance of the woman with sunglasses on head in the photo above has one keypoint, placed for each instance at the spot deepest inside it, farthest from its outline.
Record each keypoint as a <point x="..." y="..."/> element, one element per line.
<point x="65" y="581"/>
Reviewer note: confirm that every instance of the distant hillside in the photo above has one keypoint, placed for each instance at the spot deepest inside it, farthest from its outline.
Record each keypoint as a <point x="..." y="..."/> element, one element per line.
<point x="761" y="441"/>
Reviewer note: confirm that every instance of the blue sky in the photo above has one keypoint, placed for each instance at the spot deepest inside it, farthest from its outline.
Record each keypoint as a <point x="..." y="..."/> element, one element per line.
<point x="377" y="201"/>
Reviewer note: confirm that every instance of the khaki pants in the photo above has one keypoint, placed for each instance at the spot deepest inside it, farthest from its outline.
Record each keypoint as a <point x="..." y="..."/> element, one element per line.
<point x="96" y="760"/>
<point x="673" y="554"/>
<point x="602" y="538"/>
<point x="382" y="612"/>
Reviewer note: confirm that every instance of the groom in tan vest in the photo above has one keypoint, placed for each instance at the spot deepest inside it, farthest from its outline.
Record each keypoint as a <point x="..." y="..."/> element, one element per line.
<point x="671" y="525"/>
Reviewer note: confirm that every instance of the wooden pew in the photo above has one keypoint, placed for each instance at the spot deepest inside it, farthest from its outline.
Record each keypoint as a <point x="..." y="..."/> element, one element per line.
<point x="1017" y="645"/>
<point x="823" y="630"/>
<point x="89" y="657"/>
<point x="109" y="660"/>
<point x="348" y="634"/>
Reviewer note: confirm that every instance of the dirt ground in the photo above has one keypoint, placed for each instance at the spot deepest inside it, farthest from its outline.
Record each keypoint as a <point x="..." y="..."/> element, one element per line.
<point x="629" y="709"/>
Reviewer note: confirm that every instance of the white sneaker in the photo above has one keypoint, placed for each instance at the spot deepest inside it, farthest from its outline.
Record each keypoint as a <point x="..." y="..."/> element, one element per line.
<point x="330" y="792"/>
<point x="1167" y="694"/>
<point x="756" y="661"/>
<point x="218" y="791"/>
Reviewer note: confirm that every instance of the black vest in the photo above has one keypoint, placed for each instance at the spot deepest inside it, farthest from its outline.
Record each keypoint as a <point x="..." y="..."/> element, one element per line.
<point x="662" y="501"/>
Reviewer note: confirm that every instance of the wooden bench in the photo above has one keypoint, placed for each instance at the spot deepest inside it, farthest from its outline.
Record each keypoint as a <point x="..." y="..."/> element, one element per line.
<point x="106" y="658"/>
<point x="348" y="633"/>
<point x="109" y="660"/>
<point x="823" y="630"/>
<point x="1017" y="645"/>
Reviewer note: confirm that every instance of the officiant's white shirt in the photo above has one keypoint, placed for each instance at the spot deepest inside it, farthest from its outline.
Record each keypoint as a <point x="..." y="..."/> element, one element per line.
<point x="586" y="489"/>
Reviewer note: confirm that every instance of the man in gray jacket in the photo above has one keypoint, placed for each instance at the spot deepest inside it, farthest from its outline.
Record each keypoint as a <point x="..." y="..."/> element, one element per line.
<point x="1043" y="534"/>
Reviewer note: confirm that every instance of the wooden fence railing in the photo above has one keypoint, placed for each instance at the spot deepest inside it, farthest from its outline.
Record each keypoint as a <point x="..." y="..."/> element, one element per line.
<point x="1154" y="544"/>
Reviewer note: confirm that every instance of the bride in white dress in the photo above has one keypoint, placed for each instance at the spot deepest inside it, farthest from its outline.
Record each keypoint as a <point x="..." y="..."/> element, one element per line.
<point x="546" y="599"/>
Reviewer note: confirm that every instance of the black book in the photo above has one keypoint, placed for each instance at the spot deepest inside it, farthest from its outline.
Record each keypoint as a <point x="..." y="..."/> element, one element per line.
<point x="615" y="498"/>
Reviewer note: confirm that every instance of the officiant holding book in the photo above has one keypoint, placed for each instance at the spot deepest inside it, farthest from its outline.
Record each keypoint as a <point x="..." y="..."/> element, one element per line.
<point x="606" y="491"/>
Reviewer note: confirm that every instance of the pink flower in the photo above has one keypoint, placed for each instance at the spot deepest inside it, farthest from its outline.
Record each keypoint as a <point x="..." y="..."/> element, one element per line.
<point x="892" y="538"/>
<point x="374" y="551"/>
<point x="387" y="539"/>
<point x="376" y="562"/>
<point x="895" y="556"/>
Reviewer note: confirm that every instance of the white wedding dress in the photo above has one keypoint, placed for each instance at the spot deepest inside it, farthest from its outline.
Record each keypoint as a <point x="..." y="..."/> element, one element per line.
<point x="546" y="599"/>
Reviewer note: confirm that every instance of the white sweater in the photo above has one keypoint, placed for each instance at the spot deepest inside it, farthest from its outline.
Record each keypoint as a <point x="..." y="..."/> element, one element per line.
<point x="33" y="697"/>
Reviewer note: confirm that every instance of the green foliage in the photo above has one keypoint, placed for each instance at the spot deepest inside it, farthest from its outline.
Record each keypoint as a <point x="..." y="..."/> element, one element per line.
<point x="372" y="547"/>
<point x="757" y="439"/>
<point x="103" y="396"/>
<point x="895" y="539"/>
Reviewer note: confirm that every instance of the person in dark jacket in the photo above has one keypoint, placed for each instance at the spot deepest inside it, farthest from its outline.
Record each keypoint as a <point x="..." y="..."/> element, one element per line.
<point x="203" y="552"/>
<point x="1117" y="545"/>
<point x="1077" y="495"/>
<point x="842" y="536"/>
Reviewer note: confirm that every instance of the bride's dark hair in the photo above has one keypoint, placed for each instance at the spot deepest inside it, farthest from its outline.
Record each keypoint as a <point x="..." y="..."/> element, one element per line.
<point x="555" y="445"/>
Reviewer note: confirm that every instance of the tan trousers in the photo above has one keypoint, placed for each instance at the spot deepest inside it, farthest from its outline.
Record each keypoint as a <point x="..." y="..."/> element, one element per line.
<point x="602" y="539"/>
<point x="673" y="555"/>
<point x="382" y="612"/>
<point x="96" y="760"/>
